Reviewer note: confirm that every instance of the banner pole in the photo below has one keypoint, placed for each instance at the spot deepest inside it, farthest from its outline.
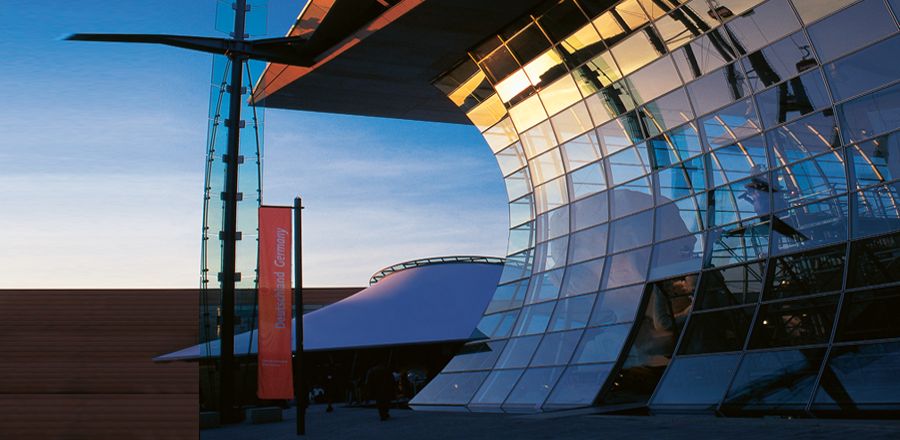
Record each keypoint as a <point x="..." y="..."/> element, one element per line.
<point x="299" y="385"/>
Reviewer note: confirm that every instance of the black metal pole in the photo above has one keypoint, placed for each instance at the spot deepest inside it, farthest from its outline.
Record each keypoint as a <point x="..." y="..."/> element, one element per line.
<point x="229" y="223"/>
<point x="299" y="385"/>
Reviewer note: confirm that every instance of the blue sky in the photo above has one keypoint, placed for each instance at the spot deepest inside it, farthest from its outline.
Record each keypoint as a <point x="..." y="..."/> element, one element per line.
<point x="102" y="149"/>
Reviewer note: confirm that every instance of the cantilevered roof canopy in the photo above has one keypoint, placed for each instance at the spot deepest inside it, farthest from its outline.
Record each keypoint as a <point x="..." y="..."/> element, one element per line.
<point x="384" y="66"/>
<point x="420" y="305"/>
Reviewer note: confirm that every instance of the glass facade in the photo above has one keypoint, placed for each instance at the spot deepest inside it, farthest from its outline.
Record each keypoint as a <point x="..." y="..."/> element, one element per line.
<point x="704" y="207"/>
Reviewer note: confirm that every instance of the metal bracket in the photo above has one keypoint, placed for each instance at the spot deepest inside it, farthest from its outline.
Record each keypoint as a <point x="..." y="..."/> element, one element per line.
<point x="241" y="124"/>
<point x="240" y="158"/>
<point x="243" y="90"/>
<point x="237" y="276"/>
<point x="237" y="235"/>
<point x="224" y="196"/>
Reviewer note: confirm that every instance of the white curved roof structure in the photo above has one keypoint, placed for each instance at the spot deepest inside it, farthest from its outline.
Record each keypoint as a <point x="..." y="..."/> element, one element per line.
<point x="426" y="304"/>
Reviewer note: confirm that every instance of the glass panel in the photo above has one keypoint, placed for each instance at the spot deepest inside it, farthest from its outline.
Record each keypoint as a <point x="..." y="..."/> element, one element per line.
<point x="572" y="122"/>
<point x="546" y="167"/>
<point x="578" y="386"/>
<point x="450" y="389"/>
<point x="545" y="68"/>
<point x="628" y="164"/>
<point x="713" y="332"/>
<point x="616" y="306"/>
<point x="499" y="64"/>
<point x="551" y="254"/>
<point x="619" y="134"/>
<point x="874" y="261"/>
<point x="553" y="224"/>
<point x="562" y="19"/>
<point x="667" y="305"/>
<point x="864" y="70"/>
<point x="679" y="27"/>
<point x="730" y="286"/>
<point x="696" y="381"/>
<point x="740" y="160"/>
<point x="534" y="319"/>
<point x="518" y="352"/>
<point x="784" y="59"/>
<point x="808" y="273"/>
<point x="678" y="256"/>
<point x="587" y="181"/>
<point x="590" y="211"/>
<point x="666" y="112"/>
<point x="495" y="388"/>
<point x="805" y="138"/>
<point x="518" y="184"/>
<point x="515" y="88"/>
<point x="582" y="278"/>
<point x="475" y="356"/>
<point x="870" y="115"/>
<point x="544" y="287"/>
<point x="704" y="55"/>
<point x="870" y="314"/>
<point x="609" y="103"/>
<point x="860" y="378"/>
<point x="551" y="195"/>
<point x="511" y="159"/>
<point x="654" y="80"/>
<point x="792" y="99"/>
<point x="810" y="225"/>
<point x="501" y="135"/>
<point x="730" y="124"/>
<point x="528" y="44"/>
<point x="774" y="381"/>
<point x="876" y="210"/>
<point x="798" y="322"/>
<point x="508" y="296"/>
<point x="487" y="113"/>
<point x="572" y="313"/>
<point x="680" y="181"/>
<point x="581" y="46"/>
<point x="678" y="219"/>
<point x="520" y="210"/>
<point x="498" y="325"/>
<point x="741" y="200"/>
<point x="738" y="243"/>
<point x="588" y="244"/>
<point x="528" y="113"/>
<point x="631" y="232"/>
<point x="601" y="344"/>
<point x="538" y="140"/>
<point x="638" y="50"/>
<point x="626" y="268"/>
<point x="875" y="162"/>
<point x="597" y="74"/>
<point x="717" y="89"/>
<point x="556" y="349"/>
<point x="520" y="238"/>
<point x="560" y="95"/>
<point x="762" y="25"/>
<point x="631" y="197"/>
<point x="531" y="390"/>
<point x="859" y="24"/>
<point x="581" y="151"/>
<point x="517" y="266"/>
<point x="812" y="10"/>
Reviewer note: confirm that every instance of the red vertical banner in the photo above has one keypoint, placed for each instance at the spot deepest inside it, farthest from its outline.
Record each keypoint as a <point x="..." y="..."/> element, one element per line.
<point x="275" y="379"/>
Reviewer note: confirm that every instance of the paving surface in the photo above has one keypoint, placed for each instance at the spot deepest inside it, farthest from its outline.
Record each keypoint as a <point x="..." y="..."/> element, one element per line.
<point x="363" y="423"/>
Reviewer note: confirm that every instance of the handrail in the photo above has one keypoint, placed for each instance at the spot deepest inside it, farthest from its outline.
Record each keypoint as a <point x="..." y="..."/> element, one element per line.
<point x="433" y="260"/>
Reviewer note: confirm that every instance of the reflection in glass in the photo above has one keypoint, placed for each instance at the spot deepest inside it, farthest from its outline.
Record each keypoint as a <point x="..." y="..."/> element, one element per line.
<point x="669" y="111"/>
<point x="631" y="232"/>
<point x="498" y="325"/>
<point x="862" y="377"/>
<point x="581" y="151"/>
<point x="730" y="286"/>
<point x="869" y="314"/>
<point x="730" y="124"/>
<point x="553" y="224"/>
<point x="703" y="55"/>
<point x="590" y="211"/>
<point x="495" y="388"/>
<point x="555" y="349"/>
<point x="507" y="296"/>
<point x="862" y="23"/>
<point x="740" y="160"/>
<point x="544" y="287"/>
<point x="678" y="256"/>
<point x="518" y="352"/>
<point x="792" y="99"/>
<point x="588" y="244"/>
<point x="616" y="306"/>
<point x="680" y="181"/>
<point x="808" y="273"/>
<point x="695" y="381"/>
<point x="864" y="70"/>
<point x="785" y="59"/>
<point x="737" y="243"/>
<point x="667" y="304"/>
<point x="798" y="322"/>
<point x="601" y="344"/>
<point x="534" y="319"/>
<point x="718" y="89"/>
<point x="626" y="268"/>
<point x="609" y="103"/>
<point x="531" y="390"/>
<point x="572" y="313"/>
<point x="538" y="139"/>
<point x="450" y="389"/>
<point x="511" y="159"/>
<point x="582" y="278"/>
<point x="578" y="386"/>
<point x="475" y="356"/>
<point x="678" y="219"/>
<point x="807" y="137"/>
<point x="774" y="381"/>
<point x="876" y="161"/>
<point x="810" y="225"/>
<point x="876" y="210"/>
<point x="654" y="80"/>
<point x="713" y="332"/>
<point x="874" y="261"/>
<point x="870" y="115"/>
<point x="572" y="122"/>
<point x="762" y="25"/>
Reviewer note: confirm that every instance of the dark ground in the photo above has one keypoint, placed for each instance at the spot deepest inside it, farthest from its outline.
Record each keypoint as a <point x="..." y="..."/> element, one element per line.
<point x="363" y="423"/>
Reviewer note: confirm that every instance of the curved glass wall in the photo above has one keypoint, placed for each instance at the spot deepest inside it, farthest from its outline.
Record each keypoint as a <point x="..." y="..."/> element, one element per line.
<point x="704" y="208"/>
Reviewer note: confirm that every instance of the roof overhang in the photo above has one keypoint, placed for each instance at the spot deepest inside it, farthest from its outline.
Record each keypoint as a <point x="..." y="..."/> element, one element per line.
<point x="385" y="65"/>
